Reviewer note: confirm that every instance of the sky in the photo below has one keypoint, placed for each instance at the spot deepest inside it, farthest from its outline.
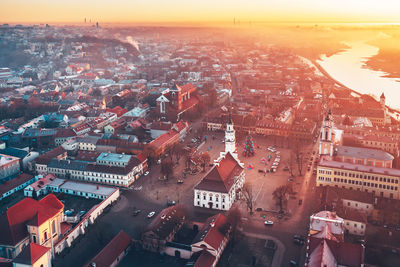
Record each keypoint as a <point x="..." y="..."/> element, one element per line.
<point x="204" y="11"/>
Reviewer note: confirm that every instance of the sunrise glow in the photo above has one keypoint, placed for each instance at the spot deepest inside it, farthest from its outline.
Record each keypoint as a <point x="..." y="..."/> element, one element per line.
<point x="125" y="11"/>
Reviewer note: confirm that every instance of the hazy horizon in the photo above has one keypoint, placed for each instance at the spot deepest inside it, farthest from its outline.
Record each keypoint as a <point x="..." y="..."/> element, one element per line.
<point x="204" y="12"/>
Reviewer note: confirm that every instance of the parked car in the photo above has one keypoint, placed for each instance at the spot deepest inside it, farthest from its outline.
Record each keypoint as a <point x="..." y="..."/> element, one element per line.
<point x="299" y="237"/>
<point x="171" y="203"/>
<point x="180" y="181"/>
<point x="286" y="168"/>
<point x="146" y="173"/>
<point x="151" y="214"/>
<point x="258" y="209"/>
<point x="268" y="223"/>
<point x="293" y="263"/>
<point x="298" y="242"/>
<point x="136" y="212"/>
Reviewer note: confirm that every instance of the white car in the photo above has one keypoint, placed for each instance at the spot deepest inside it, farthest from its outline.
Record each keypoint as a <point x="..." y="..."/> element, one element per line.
<point x="151" y="214"/>
<point x="268" y="223"/>
<point x="146" y="173"/>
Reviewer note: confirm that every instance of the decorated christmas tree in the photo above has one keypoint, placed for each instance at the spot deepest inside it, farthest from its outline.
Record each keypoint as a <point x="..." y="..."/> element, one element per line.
<point x="248" y="147"/>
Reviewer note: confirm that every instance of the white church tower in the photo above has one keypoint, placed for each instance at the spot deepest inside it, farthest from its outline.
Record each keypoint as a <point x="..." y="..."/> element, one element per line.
<point x="230" y="140"/>
<point x="327" y="136"/>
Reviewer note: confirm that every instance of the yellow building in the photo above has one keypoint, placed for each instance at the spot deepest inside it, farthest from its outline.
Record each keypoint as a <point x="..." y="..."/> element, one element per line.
<point x="30" y="221"/>
<point x="383" y="182"/>
<point x="34" y="255"/>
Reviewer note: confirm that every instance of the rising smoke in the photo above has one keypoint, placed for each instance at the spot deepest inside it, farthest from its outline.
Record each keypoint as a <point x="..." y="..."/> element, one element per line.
<point x="130" y="40"/>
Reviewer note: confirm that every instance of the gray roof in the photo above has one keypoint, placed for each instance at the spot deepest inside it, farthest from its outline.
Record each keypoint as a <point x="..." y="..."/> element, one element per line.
<point x="364" y="153"/>
<point x="68" y="164"/>
<point x="360" y="168"/>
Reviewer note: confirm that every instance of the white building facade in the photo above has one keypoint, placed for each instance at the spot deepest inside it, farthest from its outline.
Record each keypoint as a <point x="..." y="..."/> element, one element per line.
<point x="222" y="184"/>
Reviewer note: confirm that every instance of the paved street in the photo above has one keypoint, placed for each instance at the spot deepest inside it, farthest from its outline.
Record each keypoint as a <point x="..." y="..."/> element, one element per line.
<point x="150" y="194"/>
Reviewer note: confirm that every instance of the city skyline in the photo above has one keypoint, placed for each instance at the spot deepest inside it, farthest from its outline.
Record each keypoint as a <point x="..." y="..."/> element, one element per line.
<point x="204" y="12"/>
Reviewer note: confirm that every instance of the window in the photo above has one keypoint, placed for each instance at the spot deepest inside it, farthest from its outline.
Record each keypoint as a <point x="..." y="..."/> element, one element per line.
<point x="198" y="196"/>
<point x="34" y="238"/>
<point x="53" y="227"/>
<point x="204" y="197"/>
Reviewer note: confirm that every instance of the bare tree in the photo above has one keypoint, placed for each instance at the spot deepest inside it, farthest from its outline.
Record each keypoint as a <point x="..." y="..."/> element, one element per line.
<point x="166" y="168"/>
<point x="280" y="195"/>
<point x="298" y="151"/>
<point x="179" y="151"/>
<point x="249" y="198"/>
<point x="205" y="160"/>
<point x="233" y="218"/>
<point x="291" y="163"/>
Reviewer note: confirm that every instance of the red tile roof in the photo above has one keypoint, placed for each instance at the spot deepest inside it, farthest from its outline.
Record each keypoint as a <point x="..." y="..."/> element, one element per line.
<point x="64" y="133"/>
<point x="112" y="250"/>
<point x="221" y="177"/>
<point x="13" y="183"/>
<point x="180" y="126"/>
<point x="191" y="102"/>
<point x="13" y="222"/>
<point x="142" y="157"/>
<point x="167" y="221"/>
<point x="211" y="231"/>
<point x="81" y="127"/>
<point x="65" y="227"/>
<point x="205" y="260"/>
<point x="164" y="138"/>
<point x="187" y="87"/>
<point x="5" y="262"/>
<point x="117" y="110"/>
<point x="31" y="254"/>
<point x="49" y="155"/>
<point x="346" y="254"/>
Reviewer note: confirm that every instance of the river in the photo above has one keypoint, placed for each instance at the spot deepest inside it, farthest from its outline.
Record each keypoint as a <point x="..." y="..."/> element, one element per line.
<point x="348" y="67"/>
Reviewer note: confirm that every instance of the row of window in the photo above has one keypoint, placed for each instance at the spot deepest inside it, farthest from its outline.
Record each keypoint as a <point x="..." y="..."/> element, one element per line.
<point x="216" y="205"/>
<point x="378" y="143"/>
<point x="356" y="182"/>
<point x="355" y="225"/>
<point x="211" y="198"/>
<point x="367" y="177"/>
<point x="95" y="174"/>
<point x="355" y="204"/>
<point x="327" y="179"/>
<point x="325" y="172"/>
